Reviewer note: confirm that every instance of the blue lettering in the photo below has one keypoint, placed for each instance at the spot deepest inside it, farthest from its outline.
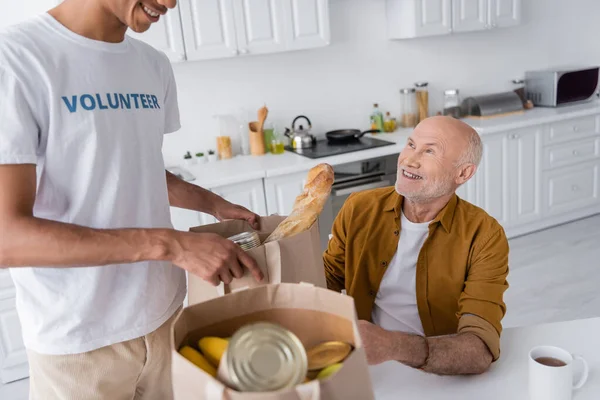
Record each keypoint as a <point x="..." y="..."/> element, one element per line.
<point x="125" y="101"/>
<point x="143" y="98"/>
<point x="92" y="102"/>
<point x="100" y="105"/>
<point x="135" y="99"/>
<point x="72" y="106"/>
<point x="155" y="101"/>
<point x="110" y="103"/>
<point x="149" y="98"/>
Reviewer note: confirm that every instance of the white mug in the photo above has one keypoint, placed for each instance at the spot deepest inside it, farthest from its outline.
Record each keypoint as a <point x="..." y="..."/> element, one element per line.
<point x="553" y="383"/>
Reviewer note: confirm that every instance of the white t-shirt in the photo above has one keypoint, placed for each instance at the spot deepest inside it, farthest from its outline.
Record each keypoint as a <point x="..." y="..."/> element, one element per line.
<point x="395" y="306"/>
<point x="91" y="115"/>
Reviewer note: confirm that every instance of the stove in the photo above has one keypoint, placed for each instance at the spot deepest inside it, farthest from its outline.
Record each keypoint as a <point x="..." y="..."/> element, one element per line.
<point x="325" y="149"/>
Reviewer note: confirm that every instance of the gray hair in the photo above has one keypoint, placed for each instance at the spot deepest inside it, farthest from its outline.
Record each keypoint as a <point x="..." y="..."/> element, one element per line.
<point x="473" y="152"/>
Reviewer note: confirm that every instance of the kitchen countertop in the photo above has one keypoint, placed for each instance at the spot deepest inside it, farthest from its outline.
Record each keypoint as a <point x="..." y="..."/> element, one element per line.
<point x="243" y="168"/>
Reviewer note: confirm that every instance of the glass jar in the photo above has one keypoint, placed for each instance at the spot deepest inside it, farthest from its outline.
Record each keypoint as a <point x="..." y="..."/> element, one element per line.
<point x="452" y="103"/>
<point x="408" y="108"/>
<point x="422" y="100"/>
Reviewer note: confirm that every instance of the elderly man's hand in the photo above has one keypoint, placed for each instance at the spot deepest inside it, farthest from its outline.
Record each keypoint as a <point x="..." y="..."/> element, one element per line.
<point x="377" y="342"/>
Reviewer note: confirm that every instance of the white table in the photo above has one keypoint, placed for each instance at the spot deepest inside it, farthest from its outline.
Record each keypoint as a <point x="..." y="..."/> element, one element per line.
<point x="506" y="378"/>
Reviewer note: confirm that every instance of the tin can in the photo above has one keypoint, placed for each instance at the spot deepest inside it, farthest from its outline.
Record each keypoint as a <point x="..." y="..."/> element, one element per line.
<point x="263" y="357"/>
<point x="246" y="240"/>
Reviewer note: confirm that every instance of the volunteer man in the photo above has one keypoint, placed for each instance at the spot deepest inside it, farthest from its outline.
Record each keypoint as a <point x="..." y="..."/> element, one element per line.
<point x="84" y="201"/>
<point x="427" y="270"/>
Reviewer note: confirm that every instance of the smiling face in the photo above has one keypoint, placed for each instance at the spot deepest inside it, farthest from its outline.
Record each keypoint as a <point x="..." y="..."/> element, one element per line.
<point x="139" y="15"/>
<point x="429" y="166"/>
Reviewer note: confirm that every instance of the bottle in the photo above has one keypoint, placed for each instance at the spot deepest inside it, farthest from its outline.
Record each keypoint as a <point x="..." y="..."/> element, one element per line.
<point x="376" y="118"/>
<point x="452" y="103"/>
<point x="389" y="124"/>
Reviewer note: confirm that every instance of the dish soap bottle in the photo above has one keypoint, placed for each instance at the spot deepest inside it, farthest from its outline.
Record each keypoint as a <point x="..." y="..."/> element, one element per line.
<point x="377" y="118"/>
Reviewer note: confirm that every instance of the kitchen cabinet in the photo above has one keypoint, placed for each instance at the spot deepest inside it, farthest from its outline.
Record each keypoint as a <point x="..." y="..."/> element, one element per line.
<point x="492" y="178"/>
<point x="306" y="23"/>
<point x="13" y="356"/>
<point x="248" y="194"/>
<point x="208" y="29"/>
<point x="504" y="13"/>
<point x="281" y="192"/>
<point x="419" y="18"/>
<point x="524" y="175"/>
<point x="165" y="35"/>
<point x="231" y="28"/>
<point x="469" y="15"/>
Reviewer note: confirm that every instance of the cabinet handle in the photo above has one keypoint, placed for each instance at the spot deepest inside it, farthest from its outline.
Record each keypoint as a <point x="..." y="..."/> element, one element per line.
<point x="514" y="136"/>
<point x="574" y="188"/>
<point x="575" y="128"/>
<point x="575" y="153"/>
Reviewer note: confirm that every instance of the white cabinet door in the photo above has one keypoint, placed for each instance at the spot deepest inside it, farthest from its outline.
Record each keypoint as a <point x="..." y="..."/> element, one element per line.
<point x="524" y="177"/>
<point x="469" y="15"/>
<point x="208" y="29"/>
<point x="492" y="178"/>
<point x="282" y="191"/>
<point x="19" y="11"/>
<point x="306" y="23"/>
<point x="433" y="17"/>
<point x="13" y="357"/>
<point x="248" y="194"/>
<point x="165" y="35"/>
<point x="259" y="26"/>
<point x="503" y="13"/>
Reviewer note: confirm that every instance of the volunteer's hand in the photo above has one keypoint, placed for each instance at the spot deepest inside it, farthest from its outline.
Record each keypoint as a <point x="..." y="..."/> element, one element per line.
<point x="211" y="257"/>
<point x="226" y="210"/>
<point x="376" y="341"/>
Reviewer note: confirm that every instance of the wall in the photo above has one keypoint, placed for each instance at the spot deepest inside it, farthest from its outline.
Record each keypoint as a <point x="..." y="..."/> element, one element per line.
<point x="337" y="85"/>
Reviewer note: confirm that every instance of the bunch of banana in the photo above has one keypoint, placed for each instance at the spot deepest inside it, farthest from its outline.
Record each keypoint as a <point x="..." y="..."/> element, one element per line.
<point x="212" y="349"/>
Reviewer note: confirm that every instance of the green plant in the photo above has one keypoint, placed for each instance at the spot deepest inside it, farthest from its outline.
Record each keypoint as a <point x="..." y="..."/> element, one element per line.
<point x="211" y="152"/>
<point x="187" y="156"/>
<point x="199" y="154"/>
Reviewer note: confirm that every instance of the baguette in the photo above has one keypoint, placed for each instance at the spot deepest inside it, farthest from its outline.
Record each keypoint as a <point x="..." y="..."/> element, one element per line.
<point x="308" y="204"/>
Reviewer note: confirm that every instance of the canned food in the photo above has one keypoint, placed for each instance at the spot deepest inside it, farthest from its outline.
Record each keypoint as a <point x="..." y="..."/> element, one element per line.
<point x="264" y="357"/>
<point x="246" y="240"/>
<point x="326" y="354"/>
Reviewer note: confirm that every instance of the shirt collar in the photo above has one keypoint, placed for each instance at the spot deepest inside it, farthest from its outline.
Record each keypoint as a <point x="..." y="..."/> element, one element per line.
<point x="444" y="217"/>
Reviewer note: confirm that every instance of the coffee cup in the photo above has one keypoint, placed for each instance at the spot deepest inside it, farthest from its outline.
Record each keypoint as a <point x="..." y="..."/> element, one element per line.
<point x="551" y="373"/>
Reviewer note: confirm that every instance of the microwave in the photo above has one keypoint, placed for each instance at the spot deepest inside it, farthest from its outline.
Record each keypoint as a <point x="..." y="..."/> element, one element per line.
<point x="560" y="86"/>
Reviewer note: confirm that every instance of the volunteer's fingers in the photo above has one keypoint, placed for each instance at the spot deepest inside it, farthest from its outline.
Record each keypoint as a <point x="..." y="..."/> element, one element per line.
<point x="251" y="264"/>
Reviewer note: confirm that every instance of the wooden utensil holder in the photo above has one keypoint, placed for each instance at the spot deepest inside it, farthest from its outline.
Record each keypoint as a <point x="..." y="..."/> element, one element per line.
<point x="257" y="140"/>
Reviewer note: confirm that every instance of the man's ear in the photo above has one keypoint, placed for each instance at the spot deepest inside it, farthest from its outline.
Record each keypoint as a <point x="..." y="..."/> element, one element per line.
<point x="465" y="172"/>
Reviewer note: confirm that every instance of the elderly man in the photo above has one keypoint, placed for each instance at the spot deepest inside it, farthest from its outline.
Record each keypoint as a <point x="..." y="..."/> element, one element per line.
<point x="427" y="268"/>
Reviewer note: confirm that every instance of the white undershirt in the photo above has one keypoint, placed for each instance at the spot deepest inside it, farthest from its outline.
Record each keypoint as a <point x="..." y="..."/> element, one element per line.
<point x="395" y="306"/>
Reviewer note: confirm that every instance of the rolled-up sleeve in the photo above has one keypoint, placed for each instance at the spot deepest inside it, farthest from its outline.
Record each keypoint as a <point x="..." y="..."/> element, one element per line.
<point x="484" y="290"/>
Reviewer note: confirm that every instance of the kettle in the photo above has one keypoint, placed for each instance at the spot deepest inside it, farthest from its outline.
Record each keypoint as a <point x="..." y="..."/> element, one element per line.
<point x="300" y="138"/>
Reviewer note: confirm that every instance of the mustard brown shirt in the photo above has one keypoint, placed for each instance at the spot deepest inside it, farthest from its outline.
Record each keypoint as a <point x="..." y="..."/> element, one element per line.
<point x="461" y="269"/>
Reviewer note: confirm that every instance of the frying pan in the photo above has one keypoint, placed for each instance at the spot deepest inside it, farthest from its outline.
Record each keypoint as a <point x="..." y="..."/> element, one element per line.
<point x="347" y="135"/>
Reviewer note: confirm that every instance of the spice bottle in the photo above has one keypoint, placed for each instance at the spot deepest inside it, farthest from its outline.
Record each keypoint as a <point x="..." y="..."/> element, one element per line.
<point x="422" y="100"/>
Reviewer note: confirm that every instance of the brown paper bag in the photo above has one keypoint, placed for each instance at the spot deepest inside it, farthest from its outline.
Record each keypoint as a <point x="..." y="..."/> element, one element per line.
<point x="294" y="259"/>
<point x="313" y="314"/>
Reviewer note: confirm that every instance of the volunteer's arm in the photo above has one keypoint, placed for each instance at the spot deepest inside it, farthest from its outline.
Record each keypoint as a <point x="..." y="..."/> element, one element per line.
<point x="26" y="240"/>
<point x="183" y="194"/>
